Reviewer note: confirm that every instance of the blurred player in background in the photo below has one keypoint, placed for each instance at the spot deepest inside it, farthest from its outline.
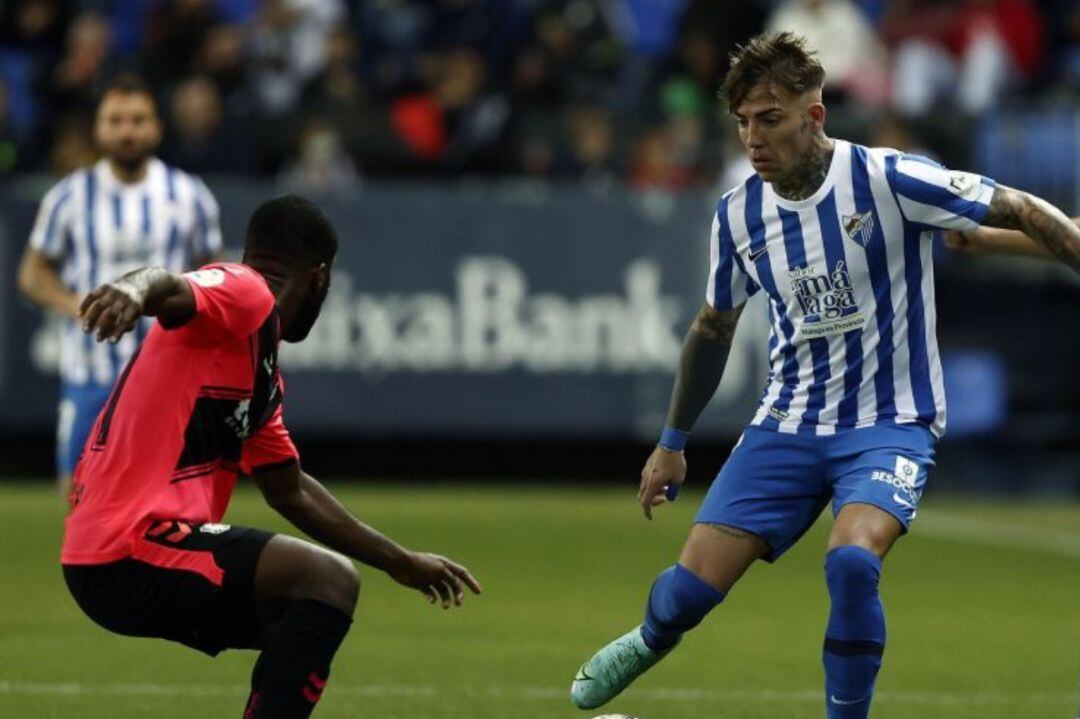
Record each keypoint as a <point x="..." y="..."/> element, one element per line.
<point x="198" y="404"/>
<point x="128" y="210"/>
<point x="839" y="237"/>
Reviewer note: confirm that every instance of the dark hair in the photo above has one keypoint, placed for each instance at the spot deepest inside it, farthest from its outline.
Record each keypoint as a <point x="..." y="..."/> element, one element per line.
<point x="292" y="228"/>
<point x="783" y="58"/>
<point x="128" y="83"/>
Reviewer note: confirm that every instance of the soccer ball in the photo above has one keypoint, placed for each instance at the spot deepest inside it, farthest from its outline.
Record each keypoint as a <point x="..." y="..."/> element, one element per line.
<point x="615" y="716"/>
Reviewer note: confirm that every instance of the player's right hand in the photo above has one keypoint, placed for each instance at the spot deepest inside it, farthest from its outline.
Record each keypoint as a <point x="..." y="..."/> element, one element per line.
<point x="437" y="577"/>
<point x="664" y="469"/>
<point x="110" y="311"/>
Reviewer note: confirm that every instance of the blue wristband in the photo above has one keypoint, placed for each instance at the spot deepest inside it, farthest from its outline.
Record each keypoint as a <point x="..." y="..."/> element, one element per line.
<point x="673" y="439"/>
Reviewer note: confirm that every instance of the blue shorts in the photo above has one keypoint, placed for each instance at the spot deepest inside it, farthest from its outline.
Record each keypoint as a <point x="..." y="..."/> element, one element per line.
<point x="79" y="408"/>
<point x="776" y="485"/>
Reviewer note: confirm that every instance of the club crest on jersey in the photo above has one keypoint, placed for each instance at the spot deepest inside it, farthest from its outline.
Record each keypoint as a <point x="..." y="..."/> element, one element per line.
<point x="860" y="227"/>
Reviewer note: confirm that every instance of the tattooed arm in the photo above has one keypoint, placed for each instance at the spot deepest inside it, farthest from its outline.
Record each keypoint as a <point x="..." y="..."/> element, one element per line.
<point x="701" y="365"/>
<point x="1042" y="222"/>
<point x="992" y="241"/>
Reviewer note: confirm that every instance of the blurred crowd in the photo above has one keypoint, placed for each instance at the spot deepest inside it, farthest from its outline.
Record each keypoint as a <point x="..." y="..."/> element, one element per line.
<point x="324" y="93"/>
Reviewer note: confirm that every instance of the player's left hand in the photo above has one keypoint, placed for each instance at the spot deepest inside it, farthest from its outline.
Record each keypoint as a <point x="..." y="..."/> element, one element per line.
<point x="110" y="311"/>
<point x="438" y="578"/>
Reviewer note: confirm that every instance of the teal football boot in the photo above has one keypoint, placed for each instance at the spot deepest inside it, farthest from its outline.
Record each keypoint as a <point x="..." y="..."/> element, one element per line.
<point x="612" y="669"/>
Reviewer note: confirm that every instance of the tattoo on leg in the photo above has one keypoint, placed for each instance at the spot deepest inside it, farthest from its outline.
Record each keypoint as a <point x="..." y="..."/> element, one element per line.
<point x="732" y="532"/>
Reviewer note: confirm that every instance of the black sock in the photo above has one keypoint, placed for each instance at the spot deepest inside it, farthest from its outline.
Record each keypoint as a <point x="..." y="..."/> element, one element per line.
<point x="256" y="682"/>
<point x="290" y="674"/>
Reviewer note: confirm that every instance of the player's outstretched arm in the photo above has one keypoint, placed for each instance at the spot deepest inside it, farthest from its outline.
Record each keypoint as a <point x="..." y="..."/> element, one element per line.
<point x="115" y="307"/>
<point x="701" y="366"/>
<point x="992" y="241"/>
<point x="1012" y="209"/>
<point x="302" y="500"/>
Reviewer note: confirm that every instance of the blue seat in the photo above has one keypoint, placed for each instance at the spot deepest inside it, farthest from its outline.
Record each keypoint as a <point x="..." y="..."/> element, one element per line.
<point x="1034" y="150"/>
<point x="16" y="75"/>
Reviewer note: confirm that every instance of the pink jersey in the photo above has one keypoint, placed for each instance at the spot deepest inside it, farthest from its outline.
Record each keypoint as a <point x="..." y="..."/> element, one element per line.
<point x="195" y="407"/>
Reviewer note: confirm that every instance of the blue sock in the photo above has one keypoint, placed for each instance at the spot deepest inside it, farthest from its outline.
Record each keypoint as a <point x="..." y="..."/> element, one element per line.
<point x="855" y="637"/>
<point x="678" y="601"/>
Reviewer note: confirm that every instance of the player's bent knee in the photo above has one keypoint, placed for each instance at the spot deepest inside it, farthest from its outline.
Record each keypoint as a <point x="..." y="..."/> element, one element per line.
<point x="851" y="570"/>
<point x="335" y="581"/>
<point x="305" y="571"/>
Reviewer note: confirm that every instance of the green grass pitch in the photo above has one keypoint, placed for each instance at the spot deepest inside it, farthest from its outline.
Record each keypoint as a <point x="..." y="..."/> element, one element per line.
<point x="983" y="605"/>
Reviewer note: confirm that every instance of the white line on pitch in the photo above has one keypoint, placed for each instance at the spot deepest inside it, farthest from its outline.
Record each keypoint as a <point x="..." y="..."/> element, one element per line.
<point x="946" y="525"/>
<point x="806" y="696"/>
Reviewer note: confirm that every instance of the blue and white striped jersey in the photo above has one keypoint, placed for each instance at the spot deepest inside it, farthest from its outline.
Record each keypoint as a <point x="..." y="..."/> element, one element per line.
<point x="849" y="278"/>
<point x="97" y="228"/>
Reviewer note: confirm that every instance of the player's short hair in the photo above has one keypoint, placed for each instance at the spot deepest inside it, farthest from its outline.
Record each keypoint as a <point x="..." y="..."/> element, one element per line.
<point x="292" y="228"/>
<point x="128" y="83"/>
<point x="785" y="59"/>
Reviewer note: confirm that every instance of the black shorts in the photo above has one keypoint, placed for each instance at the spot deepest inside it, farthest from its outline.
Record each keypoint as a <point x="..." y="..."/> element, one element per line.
<point x="190" y="583"/>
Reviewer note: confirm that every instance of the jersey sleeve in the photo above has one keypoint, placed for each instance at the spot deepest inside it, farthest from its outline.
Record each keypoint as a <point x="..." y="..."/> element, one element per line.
<point x="205" y="241"/>
<point x="729" y="286"/>
<point x="53" y="221"/>
<point x="268" y="447"/>
<point x="231" y="302"/>
<point x="934" y="196"/>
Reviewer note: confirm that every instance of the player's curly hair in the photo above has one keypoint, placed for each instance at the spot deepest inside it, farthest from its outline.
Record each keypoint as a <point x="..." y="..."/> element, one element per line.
<point x="783" y="58"/>
<point x="292" y="228"/>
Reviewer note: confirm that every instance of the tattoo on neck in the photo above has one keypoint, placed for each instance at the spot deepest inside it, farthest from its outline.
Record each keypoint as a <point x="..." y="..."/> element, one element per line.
<point x="809" y="175"/>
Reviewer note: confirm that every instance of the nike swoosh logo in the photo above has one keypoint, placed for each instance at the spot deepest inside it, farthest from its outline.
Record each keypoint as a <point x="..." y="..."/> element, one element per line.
<point x="901" y="501"/>
<point x="582" y="676"/>
<point x="843" y="703"/>
<point x="753" y="256"/>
